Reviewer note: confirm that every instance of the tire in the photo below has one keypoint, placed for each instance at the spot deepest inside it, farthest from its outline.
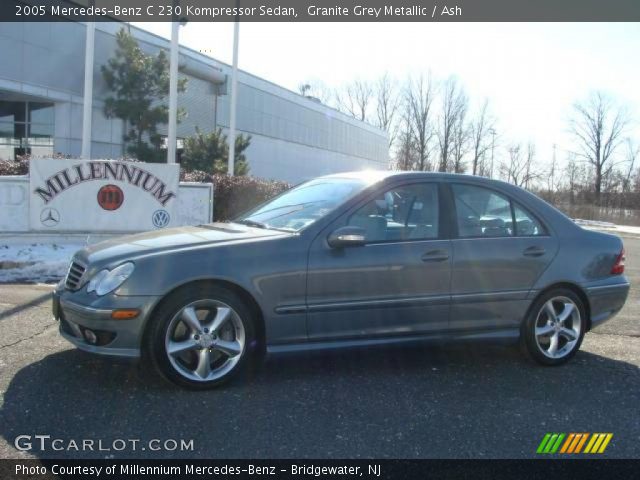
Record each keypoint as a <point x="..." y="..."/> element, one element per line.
<point x="554" y="328"/>
<point x="201" y="337"/>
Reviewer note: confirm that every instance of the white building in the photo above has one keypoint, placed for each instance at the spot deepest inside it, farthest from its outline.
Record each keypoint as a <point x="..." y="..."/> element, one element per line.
<point x="41" y="88"/>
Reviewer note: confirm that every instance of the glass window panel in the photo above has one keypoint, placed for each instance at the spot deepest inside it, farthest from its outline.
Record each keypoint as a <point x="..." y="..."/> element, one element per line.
<point x="409" y="212"/>
<point x="41" y="112"/>
<point x="12" y="111"/>
<point x="37" y="130"/>
<point x="482" y="212"/>
<point x="19" y="130"/>
<point x="526" y="224"/>
<point x="7" y="131"/>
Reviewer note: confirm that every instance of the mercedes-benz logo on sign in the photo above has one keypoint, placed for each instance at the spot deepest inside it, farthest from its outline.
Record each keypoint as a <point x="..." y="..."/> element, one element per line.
<point x="160" y="218"/>
<point x="49" y="217"/>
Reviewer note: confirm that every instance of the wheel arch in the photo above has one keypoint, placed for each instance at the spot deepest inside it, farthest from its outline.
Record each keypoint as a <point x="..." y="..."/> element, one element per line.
<point x="568" y="286"/>
<point x="260" y="348"/>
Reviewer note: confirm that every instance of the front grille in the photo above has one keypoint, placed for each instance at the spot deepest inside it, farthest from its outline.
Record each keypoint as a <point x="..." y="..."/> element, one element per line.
<point x="74" y="275"/>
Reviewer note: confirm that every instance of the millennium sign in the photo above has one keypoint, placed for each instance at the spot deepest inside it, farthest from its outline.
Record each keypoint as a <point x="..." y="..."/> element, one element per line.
<point x="127" y="172"/>
<point x="101" y="195"/>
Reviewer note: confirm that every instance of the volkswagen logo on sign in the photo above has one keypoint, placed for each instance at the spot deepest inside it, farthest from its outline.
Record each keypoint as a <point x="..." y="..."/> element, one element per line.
<point x="160" y="218"/>
<point x="49" y="217"/>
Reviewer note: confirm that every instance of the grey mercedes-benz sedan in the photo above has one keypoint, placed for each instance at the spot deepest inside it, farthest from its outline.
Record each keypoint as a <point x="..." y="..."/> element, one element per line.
<point x="348" y="260"/>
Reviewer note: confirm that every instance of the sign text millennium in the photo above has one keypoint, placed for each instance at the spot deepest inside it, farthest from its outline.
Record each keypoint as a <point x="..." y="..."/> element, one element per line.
<point x="119" y="171"/>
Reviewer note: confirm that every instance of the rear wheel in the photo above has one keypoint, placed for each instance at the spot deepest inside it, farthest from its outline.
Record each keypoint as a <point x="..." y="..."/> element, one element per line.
<point x="555" y="327"/>
<point x="201" y="337"/>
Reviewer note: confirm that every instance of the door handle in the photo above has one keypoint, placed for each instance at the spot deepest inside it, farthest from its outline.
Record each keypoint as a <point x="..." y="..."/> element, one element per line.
<point x="435" y="256"/>
<point x="534" y="252"/>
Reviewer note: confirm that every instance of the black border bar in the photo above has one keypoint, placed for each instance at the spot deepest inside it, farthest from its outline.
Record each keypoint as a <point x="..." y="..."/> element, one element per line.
<point x="583" y="469"/>
<point x="312" y="10"/>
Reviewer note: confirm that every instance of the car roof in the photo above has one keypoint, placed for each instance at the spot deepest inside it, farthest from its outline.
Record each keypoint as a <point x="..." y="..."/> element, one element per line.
<point x="377" y="175"/>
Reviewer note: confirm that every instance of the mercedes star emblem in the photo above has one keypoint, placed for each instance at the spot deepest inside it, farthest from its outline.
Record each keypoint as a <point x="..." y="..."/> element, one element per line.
<point x="49" y="217"/>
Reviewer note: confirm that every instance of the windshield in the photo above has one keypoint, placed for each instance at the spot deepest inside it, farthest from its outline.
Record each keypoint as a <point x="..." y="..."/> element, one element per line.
<point x="303" y="205"/>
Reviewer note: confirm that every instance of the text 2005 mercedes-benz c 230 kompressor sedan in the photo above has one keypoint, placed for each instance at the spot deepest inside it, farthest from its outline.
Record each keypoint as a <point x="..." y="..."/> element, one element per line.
<point x="347" y="260"/>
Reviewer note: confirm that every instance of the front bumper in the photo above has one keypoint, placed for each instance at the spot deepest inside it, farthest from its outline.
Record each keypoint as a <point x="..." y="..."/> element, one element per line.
<point x="79" y="322"/>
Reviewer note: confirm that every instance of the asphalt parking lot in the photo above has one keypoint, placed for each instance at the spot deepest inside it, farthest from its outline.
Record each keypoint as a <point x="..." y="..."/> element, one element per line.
<point x="464" y="401"/>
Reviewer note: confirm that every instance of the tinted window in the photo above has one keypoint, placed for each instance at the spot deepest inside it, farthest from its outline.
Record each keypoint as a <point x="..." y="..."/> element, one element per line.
<point x="303" y="205"/>
<point x="482" y="212"/>
<point x="526" y="224"/>
<point x="409" y="212"/>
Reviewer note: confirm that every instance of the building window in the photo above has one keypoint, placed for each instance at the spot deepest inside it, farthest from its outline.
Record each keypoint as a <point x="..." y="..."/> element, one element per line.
<point x="25" y="128"/>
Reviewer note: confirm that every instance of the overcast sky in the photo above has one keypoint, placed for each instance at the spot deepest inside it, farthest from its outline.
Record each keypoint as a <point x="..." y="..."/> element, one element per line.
<point x="532" y="73"/>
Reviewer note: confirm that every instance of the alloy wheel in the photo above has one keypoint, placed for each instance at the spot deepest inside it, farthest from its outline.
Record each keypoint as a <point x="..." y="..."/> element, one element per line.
<point x="558" y="327"/>
<point x="205" y="340"/>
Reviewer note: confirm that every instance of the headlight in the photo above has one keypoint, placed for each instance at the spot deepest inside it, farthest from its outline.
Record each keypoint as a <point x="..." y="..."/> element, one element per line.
<point x="106" y="281"/>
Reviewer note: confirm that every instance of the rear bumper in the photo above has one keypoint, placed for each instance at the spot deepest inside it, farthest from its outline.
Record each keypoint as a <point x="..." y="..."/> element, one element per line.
<point x="606" y="301"/>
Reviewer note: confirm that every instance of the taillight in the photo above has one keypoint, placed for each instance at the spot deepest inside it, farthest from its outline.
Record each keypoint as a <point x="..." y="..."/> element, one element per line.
<point x="618" y="267"/>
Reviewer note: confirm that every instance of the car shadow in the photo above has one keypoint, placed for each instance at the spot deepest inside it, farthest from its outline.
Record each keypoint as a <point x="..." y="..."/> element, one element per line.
<point x="303" y="405"/>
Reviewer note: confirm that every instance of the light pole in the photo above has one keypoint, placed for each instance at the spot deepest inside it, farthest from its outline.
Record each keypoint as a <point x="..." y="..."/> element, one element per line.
<point x="173" y="88"/>
<point x="234" y="95"/>
<point x="87" y="102"/>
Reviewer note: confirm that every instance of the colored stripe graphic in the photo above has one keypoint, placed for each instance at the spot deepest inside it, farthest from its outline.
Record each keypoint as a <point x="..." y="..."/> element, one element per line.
<point x="581" y="443"/>
<point x="556" y="445"/>
<point x="594" y="437"/>
<point x="550" y="443"/>
<point x="573" y="443"/>
<point x="543" y="443"/>
<point x="567" y="443"/>
<point x="605" y="443"/>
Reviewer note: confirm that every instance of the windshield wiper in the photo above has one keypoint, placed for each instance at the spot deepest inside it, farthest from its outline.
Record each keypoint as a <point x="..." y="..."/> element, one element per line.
<point x="253" y="223"/>
<point x="298" y="206"/>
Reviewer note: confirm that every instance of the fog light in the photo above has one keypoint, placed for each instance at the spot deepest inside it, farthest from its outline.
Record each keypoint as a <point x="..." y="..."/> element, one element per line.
<point x="90" y="336"/>
<point x="125" y="314"/>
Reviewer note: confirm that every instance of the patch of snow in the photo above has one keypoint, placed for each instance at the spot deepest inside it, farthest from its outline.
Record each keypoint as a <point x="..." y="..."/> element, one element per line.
<point x="607" y="226"/>
<point x="593" y="223"/>
<point x="35" y="262"/>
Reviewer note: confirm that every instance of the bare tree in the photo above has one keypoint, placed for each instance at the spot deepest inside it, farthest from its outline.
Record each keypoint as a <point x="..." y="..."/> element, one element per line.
<point x="529" y="174"/>
<point x="480" y="133"/>
<point x="461" y="143"/>
<point x="484" y="166"/>
<point x="316" y="90"/>
<point x="572" y="174"/>
<point x="355" y="99"/>
<point x="406" y="153"/>
<point x="419" y="99"/>
<point x="553" y="178"/>
<point x="598" y="125"/>
<point x="518" y="169"/>
<point x="387" y="104"/>
<point x="633" y="151"/>
<point x="454" y="101"/>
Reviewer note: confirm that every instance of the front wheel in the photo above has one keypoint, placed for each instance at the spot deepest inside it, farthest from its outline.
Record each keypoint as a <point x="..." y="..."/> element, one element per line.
<point x="555" y="327"/>
<point x="201" y="337"/>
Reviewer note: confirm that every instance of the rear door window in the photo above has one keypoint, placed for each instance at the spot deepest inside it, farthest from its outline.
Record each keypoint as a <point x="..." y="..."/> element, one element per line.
<point x="481" y="212"/>
<point x="526" y="224"/>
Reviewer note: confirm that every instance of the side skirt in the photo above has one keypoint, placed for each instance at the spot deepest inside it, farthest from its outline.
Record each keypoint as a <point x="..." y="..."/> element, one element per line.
<point x="510" y="335"/>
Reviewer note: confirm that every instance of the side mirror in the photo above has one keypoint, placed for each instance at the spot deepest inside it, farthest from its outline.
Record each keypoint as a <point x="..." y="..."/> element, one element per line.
<point x="348" y="236"/>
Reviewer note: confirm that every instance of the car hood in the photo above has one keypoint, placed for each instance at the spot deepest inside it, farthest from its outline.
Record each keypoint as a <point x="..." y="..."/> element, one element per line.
<point x="131" y="246"/>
